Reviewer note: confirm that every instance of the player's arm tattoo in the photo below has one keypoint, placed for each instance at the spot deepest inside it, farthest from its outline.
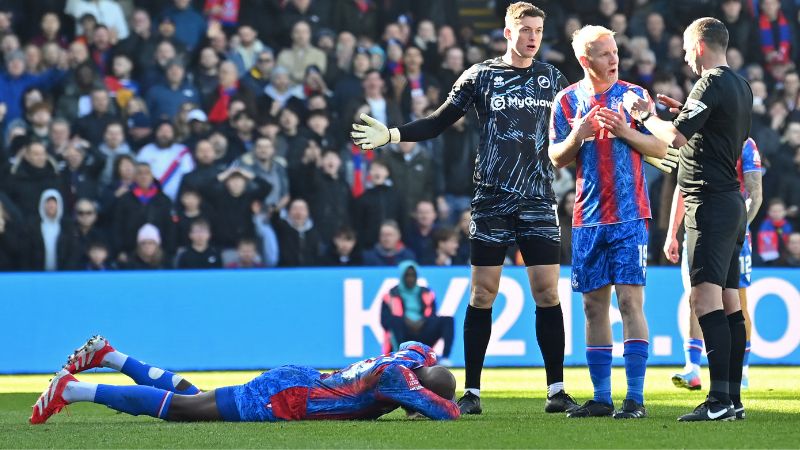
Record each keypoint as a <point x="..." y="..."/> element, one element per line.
<point x="752" y="184"/>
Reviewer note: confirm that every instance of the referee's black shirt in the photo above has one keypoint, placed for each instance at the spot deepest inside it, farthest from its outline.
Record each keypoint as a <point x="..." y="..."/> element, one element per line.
<point x="716" y="121"/>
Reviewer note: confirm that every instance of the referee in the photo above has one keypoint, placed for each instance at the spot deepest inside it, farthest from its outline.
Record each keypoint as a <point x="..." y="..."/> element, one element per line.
<point x="710" y="130"/>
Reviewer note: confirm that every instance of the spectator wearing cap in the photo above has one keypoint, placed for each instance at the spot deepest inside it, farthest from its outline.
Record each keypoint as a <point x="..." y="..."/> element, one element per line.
<point x="92" y="125"/>
<point x="165" y="99"/>
<point x="232" y="199"/>
<point x="261" y="161"/>
<point x="142" y="203"/>
<point x="190" y="25"/>
<point x="228" y="90"/>
<point x="169" y="160"/>
<point x="51" y="243"/>
<point x="106" y="12"/>
<point x="298" y="238"/>
<point x="30" y="175"/>
<point x="258" y="76"/>
<point x="149" y="255"/>
<point x="359" y="17"/>
<point x="198" y="127"/>
<point x="301" y="54"/>
<point x="15" y="81"/>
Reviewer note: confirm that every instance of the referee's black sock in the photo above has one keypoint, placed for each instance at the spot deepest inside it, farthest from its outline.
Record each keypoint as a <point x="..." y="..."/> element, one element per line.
<point x="477" y="329"/>
<point x="738" y="343"/>
<point x="717" y="335"/>
<point x="550" y="336"/>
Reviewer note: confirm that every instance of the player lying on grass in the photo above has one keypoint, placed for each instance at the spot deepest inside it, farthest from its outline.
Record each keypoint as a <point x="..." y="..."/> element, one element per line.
<point x="368" y="389"/>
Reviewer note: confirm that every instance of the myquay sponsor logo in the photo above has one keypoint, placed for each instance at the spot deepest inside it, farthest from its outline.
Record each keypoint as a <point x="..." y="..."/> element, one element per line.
<point x="501" y="102"/>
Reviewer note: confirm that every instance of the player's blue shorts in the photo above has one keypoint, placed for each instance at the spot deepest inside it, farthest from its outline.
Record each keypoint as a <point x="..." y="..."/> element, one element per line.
<point x="609" y="254"/>
<point x="272" y="396"/>
<point x="745" y="262"/>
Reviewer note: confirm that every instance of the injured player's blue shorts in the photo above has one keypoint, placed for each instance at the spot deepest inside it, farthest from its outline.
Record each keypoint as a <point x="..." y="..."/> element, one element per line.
<point x="609" y="254"/>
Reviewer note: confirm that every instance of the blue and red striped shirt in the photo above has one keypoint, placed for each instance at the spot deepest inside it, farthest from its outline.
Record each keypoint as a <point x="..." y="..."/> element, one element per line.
<point x="610" y="182"/>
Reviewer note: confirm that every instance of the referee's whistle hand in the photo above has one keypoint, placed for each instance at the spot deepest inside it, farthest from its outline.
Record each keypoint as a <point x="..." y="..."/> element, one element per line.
<point x="671" y="250"/>
<point x="673" y="105"/>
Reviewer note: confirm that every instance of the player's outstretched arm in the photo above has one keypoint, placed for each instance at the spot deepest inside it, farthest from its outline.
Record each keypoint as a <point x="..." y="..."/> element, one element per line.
<point x="374" y="134"/>
<point x="641" y="110"/>
<point x="676" y="213"/>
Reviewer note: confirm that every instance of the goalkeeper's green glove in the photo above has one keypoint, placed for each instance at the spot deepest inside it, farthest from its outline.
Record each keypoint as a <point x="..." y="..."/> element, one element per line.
<point x="667" y="163"/>
<point x="374" y="134"/>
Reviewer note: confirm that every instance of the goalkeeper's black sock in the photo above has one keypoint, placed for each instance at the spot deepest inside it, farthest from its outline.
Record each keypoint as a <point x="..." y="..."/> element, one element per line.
<point x="717" y="335"/>
<point x="477" y="330"/>
<point x="550" y="336"/>
<point x="738" y="344"/>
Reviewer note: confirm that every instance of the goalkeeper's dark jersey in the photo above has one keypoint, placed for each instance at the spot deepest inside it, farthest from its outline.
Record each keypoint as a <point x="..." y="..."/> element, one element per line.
<point x="513" y="107"/>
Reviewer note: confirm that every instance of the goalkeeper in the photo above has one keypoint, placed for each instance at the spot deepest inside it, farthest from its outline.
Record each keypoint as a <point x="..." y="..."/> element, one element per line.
<point x="589" y="125"/>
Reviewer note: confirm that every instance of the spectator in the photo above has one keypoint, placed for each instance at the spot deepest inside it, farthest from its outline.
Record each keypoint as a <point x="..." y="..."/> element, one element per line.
<point x="270" y="250"/>
<point x="223" y="11"/>
<point x="356" y="16"/>
<point x="742" y="35"/>
<point x="120" y="83"/>
<point x="248" y="47"/>
<point x="455" y="168"/>
<point x="246" y="255"/>
<point x="446" y="243"/>
<point x="200" y="254"/>
<point x="87" y="230"/>
<point x="165" y="99"/>
<point x="31" y="175"/>
<point x="51" y="244"/>
<point x="379" y="203"/>
<point x="11" y="245"/>
<point x="301" y="54"/>
<point x="141" y="44"/>
<point x="100" y="49"/>
<point x="106" y="12"/>
<point x="169" y="160"/>
<point x="40" y="117"/>
<point x="113" y="146"/>
<point x="331" y="202"/>
<point x="281" y="92"/>
<point x="257" y="77"/>
<point x="156" y="70"/>
<point x="261" y="161"/>
<point x="203" y="177"/>
<point x="778" y="35"/>
<point x="298" y="239"/>
<point x="81" y="174"/>
<point x="566" y="206"/>
<point x="791" y="257"/>
<point x="92" y="125"/>
<point x="15" y="81"/>
<point x="349" y="84"/>
<point x="408" y="313"/>
<point x="138" y="123"/>
<point x="240" y="134"/>
<point x="191" y="207"/>
<point x="379" y="105"/>
<point x="412" y="175"/>
<point x="419" y="236"/>
<point x="190" y="25"/>
<point x="389" y="251"/>
<point x="50" y="25"/>
<point x="76" y="102"/>
<point x="98" y="258"/>
<point x="141" y="204"/>
<point x="228" y="90"/>
<point x="232" y="201"/>
<point x="149" y="255"/>
<point x="774" y="231"/>
<point x="344" y="251"/>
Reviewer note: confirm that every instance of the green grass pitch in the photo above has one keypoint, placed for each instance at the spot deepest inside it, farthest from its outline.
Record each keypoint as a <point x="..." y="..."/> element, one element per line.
<point x="513" y="418"/>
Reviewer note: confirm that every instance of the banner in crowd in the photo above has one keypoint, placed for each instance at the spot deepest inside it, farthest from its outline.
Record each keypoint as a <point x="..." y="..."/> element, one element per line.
<point x="327" y="318"/>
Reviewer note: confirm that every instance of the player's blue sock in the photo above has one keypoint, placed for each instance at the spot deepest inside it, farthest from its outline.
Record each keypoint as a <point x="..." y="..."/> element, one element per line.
<point x="635" y="354"/>
<point x="598" y="357"/>
<point x="746" y="353"/>
<point x="135" y="400"/>
<point x="147" y="375"/>
<point x="694" y="352"/>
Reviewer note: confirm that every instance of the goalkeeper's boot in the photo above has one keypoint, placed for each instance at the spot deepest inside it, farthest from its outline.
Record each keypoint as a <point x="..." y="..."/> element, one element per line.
<point x="689" y="380"/>
<point x="560" y="402"/>
<point x="738" y="408"/>
<point x="711" y="409"/>
<point x="631" y="409"/>
<point x="592" y="409"/>
<point x="89" y="356"/>
<point x="470" y="404"/>
<point x="52" y="399"/>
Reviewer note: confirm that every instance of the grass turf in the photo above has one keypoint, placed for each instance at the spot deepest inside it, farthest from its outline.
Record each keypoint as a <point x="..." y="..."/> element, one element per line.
<point x="513" y="417"/>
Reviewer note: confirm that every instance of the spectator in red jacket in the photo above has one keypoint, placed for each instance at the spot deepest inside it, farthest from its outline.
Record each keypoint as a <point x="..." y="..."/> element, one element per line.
<point x="774" y="231"/>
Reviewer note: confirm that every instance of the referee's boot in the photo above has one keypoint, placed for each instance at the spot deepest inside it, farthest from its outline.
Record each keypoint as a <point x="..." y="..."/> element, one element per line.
<point x="711" y="409"/>
<point x="738" y="408"/>
<point x="592" y="409"/>
<point x="631" y="409"/>
<point x="470" y="404"/>
<point x="560" y="402"/>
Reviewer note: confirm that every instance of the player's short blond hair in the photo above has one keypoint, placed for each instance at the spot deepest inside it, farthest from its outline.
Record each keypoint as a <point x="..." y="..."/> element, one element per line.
<point x="516" y="11"/>
<point x="582" y="38"/>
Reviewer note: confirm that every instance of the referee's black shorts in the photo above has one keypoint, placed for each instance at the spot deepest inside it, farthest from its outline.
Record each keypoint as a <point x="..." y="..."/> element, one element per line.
<point x="715" y="228"/>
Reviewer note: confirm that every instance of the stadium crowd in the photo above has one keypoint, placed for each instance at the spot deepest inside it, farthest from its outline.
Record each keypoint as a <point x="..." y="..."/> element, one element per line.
<point x="144" y="134"/>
